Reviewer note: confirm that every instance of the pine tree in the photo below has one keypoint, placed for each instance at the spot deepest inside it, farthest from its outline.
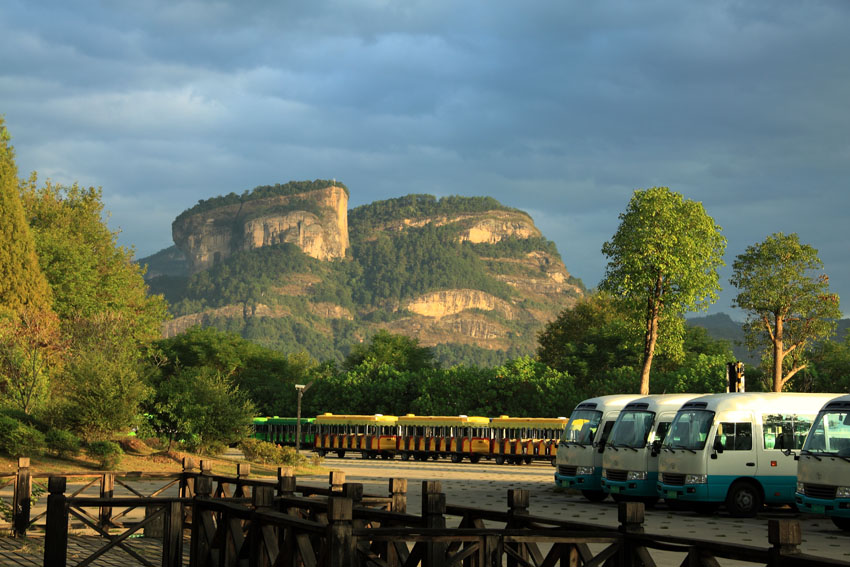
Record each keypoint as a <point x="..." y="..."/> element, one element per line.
<point x="21" y="281"/>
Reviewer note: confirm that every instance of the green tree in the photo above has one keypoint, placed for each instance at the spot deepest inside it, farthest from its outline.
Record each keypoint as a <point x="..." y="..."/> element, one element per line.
<point x="788" y="303"/>
<point x="662" y="262"/>
<point x="31" y="351"/>
<point x="21" y="280"/>
<point x="398" y="351"/>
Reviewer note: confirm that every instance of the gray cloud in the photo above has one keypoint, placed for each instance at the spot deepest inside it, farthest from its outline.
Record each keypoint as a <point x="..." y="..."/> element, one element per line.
<point x="561" y="109"/>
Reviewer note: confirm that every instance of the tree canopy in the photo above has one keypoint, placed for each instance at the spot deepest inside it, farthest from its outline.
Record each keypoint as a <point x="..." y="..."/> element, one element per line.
<point x="662" y="262"/>
<point x="788" y="303"/>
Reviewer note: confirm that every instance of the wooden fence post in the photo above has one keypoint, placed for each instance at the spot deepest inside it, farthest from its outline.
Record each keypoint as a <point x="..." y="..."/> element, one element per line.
<point x="243" y="471"/>
<point x="56" y="534"/>
<point x="203" y="527"/>
<point x="262" y="553"/>
<point x="342" y="547"/>
<point x="433" y="508"/>
<point x="107" y="490"/>
<point x="398" y="493"/>
<point x="784" y="537"/>
<point x="336" y="479"/>
<point x="518" y="500"/>
<point x="353" y="490"/>
<point x="187" y="487"/>
<point x="22" y="499"/>
<point x="206" y="467"/>
<point x="172" y="535"/>
<point x="631" y="516"/>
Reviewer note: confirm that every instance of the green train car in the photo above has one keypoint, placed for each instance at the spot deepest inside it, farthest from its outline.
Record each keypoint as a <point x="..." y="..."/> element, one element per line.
<point x="282" y="430"/>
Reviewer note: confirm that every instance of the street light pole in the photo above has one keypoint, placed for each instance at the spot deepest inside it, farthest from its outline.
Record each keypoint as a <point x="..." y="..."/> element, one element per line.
<point x="300" y="388"/>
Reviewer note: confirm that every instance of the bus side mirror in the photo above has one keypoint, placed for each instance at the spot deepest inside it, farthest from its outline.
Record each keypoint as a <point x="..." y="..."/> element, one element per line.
<point x="718" y="445"/>
<point x="655" y="448"/>
<point x="601" y="448"/>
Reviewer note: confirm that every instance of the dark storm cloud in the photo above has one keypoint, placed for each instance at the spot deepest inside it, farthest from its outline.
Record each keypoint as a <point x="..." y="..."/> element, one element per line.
<point x="558" y="108"/>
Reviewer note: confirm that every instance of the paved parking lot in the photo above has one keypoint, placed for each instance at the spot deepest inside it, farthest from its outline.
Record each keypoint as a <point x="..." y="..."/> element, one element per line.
<point x="485" y="485"/>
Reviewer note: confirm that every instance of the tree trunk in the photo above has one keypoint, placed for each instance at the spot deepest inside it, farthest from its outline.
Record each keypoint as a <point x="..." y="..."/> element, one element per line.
<point x="778" y="354"/>
<point x="651" y="337"/>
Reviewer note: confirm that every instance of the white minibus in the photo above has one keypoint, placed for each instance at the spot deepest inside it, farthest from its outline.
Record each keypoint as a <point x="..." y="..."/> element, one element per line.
<point x="823" y="468"/>
<point x="728" y="448"/>
<point x="579" y="458"/>
<point x="630" y="460"/>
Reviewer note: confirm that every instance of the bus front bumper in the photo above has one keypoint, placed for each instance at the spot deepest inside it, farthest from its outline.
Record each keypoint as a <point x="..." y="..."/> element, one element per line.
<point x="588" y="481"/>
<point x="838" y="507"/>
<point x="642" y="488"/>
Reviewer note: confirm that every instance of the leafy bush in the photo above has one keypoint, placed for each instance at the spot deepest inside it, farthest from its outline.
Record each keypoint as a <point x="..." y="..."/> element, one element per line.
<point x="20" y="440"/>
<point x="260" y="451"/>
<point x="107" y="454"/>
<point x="62" y="443"/>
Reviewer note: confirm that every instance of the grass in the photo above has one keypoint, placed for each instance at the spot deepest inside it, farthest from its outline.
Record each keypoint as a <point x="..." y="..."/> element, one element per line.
<point x="139" y="457"/>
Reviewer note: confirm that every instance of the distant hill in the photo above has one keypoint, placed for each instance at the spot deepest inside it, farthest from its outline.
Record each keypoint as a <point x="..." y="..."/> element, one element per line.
<point x="722" y="326"/>
<point x="296" y="270"/>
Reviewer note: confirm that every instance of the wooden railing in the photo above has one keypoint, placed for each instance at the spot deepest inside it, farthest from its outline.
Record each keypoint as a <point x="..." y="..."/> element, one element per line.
<point x="283" y="524"/>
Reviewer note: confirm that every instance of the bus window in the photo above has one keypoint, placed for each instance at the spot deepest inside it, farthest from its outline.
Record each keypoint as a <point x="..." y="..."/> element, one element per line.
<point x="735" y="436"/>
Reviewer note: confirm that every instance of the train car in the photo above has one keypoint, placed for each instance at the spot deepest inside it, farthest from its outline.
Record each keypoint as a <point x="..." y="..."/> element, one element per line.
<point x="282" y="430"/>
<point x="433" y="436"/>
<point x="525" y="439"/>
<point x="370" y="435"/>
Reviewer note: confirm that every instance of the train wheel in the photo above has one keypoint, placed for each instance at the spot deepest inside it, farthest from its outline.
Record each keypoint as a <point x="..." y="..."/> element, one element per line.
<point x="321" y="453"/>
<point x="528" y="460"/>
<point x="340" y="454"/>
<point x="387" y="456"/>
<point x="500" y="459"/>
<point x="474" y="458"/>
<point x="405" y="456"/>
<point x="364" y="455"/>
<point x="436" y="456"/>
<point x="456" y="458"/>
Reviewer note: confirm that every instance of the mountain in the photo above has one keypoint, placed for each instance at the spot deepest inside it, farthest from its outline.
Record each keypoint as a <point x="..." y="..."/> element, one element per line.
<point x="290" y="267"/>
<point x="722" y="326"/>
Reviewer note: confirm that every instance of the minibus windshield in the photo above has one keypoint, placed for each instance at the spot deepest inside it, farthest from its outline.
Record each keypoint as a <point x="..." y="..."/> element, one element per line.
<point x="582" y="427"/>
<point x="830" y="434"/>
<point x="632" y="429"/>
<point x="689" y="430"/>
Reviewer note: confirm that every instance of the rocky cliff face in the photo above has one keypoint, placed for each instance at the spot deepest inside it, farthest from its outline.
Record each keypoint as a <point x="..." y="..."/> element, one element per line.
<point x="522" y="283"/>
<point x="319" y="228"/>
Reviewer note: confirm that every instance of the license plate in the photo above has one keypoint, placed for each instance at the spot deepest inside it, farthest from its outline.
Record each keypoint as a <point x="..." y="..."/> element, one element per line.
<point x="614" y="489"/>
<point x="672" y="494"/>
<point x="818" y="508"/>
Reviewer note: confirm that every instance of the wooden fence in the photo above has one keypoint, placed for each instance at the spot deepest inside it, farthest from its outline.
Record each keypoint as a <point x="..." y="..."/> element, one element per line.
<point x="267" y="524"/>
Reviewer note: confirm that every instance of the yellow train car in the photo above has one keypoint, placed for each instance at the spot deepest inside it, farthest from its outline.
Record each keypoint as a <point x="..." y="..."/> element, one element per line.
<point x="525" y="439"/>
<point x="433" y="436"/>
<point x="370" y="435"/>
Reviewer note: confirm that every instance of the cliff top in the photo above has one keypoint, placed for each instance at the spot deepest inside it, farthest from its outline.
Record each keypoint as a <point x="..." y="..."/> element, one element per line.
<point x="260" y="192"/>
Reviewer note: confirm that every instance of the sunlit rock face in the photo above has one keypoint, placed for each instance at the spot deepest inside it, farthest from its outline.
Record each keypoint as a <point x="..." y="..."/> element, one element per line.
<point x="211" y="236"/>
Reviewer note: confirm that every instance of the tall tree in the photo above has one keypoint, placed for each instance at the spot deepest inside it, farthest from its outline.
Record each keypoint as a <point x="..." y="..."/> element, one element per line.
<point x="662" y="262"/>
<point x="787" y="299"/>
<point x="21" y="280"/>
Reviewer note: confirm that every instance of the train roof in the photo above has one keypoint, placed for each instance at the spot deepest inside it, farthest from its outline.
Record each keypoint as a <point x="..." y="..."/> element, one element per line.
<point x="342" y="419"/>
<point x="540" y="422"/>
<point x="448" y="420"/>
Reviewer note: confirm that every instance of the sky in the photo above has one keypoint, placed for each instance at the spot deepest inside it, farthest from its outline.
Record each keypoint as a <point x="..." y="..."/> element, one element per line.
<point x="559" y="108"/>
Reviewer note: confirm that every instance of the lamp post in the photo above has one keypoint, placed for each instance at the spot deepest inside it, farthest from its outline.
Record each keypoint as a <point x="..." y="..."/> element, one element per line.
<point x="300" y="388"/>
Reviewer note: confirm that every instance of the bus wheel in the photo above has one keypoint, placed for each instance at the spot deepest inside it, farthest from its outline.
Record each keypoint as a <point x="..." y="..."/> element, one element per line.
<point x="743" y="500"/>
<point x="405" y="456"/>
<point x="841" y="523"/>
<point x="474" y="458"/>
<point x="594" y="495"/>
<point x="340" y="454"/>
<point x="456" y="458"/>
<point x="500" y="460"/>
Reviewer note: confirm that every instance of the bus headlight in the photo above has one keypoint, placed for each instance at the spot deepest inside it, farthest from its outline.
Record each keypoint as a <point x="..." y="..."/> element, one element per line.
<point x="842" y="492"/>
<point x="636" y="475"/>
<point x="801" y="487"/>
<point x="584" y="471"/>
<point x="695" y="479"/>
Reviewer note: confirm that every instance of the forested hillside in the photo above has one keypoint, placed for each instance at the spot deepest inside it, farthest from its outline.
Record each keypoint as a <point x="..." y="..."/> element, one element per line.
<point x="472" y="278"/>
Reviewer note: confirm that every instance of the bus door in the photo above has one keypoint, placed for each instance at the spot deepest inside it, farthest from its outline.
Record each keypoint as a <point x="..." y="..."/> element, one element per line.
<point x="732" y="454"/>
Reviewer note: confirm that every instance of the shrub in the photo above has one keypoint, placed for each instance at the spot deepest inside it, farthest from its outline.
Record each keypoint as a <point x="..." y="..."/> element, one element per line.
<point x="20" y="440"/>
<point x="107" y="454"/>
<point x="63" y="444"/>
<point x="260" y="451"/>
